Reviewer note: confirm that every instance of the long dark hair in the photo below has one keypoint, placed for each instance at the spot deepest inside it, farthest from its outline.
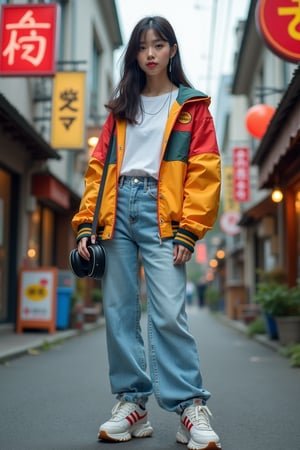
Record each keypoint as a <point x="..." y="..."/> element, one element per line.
<point x="125" y="102"/>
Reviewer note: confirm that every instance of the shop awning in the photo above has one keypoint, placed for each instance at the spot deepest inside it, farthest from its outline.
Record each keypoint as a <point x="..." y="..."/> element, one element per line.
<point x="14" y="124"/>
<point x="282" y="135"/>
<point x="50" y="190"/>
<point x="257" y="211"/>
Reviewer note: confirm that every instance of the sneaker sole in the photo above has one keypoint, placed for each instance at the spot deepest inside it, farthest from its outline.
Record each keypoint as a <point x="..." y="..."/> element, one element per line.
<point x="142" y="431"/>
<point x="114" y="438"/>
<point x="181" y="439"/>
<point x="210" y="446"/>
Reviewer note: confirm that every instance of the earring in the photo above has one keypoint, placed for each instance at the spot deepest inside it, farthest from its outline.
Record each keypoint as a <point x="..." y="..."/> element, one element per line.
<point x="170" y="65"/>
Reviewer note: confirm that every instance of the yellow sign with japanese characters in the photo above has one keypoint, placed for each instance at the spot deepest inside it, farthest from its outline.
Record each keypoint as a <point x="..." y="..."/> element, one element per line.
<point x="229" y="203"/>
<point x="68" y="111"/>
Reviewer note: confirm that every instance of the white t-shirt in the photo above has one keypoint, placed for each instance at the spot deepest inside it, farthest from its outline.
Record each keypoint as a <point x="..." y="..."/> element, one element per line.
<point x="144" y="140"/>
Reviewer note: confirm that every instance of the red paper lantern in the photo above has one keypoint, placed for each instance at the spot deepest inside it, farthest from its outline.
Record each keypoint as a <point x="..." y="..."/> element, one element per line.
<point x="258" y="118"/>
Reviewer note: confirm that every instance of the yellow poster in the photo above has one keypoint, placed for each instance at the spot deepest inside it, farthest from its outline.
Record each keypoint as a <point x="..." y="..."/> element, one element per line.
<point x="229" y="203"/>
<point x="68" y="110"/>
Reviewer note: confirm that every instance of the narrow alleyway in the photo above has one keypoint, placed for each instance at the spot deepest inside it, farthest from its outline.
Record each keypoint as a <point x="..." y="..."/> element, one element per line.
<point x="56" y="400"/>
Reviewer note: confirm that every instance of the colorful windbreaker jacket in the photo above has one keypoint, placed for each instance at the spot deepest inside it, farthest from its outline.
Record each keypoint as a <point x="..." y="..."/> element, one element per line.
<point x="189" y="177"/>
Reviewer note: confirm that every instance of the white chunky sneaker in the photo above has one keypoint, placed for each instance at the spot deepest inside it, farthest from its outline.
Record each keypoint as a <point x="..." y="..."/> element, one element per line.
<point x="128" y="420"/>
<point x="195" y="429"/>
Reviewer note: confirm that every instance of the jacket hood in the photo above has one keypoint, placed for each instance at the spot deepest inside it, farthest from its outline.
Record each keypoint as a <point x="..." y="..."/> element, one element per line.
<point x="186" y="93"/>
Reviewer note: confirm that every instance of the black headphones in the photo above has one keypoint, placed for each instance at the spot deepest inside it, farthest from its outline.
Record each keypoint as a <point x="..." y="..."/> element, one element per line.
<point x="94" y="268"/>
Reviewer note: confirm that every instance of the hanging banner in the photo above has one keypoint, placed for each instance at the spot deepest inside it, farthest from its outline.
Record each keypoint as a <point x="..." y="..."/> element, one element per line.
<point x="229" y="203"/>
<point x="68" y="110"/>
<point x="279" y="24"/>
<point x="28" y="39"/>
<point x="241" y="174"/>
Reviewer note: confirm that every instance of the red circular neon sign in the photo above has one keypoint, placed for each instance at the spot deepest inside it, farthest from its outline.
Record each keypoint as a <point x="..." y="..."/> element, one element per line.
<point x="279" y="23"/>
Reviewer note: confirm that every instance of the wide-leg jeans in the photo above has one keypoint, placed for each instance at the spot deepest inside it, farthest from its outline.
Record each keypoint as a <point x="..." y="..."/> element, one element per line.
<point x="173" y="359"/>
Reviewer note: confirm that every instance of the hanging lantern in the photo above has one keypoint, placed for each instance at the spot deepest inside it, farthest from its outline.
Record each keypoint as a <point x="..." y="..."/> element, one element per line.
<point x="277" y="195"/>
<point x="258" y="118"/>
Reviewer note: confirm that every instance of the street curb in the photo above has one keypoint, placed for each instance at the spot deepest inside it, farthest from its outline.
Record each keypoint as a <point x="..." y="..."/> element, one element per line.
<point x="242" y="328"/>
<point x="51" y="340"/>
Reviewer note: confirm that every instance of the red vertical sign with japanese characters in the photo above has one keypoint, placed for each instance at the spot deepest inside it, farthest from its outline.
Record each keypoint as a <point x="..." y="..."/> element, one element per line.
<point x="241" y="174"/>
<point x="28" y="39"/>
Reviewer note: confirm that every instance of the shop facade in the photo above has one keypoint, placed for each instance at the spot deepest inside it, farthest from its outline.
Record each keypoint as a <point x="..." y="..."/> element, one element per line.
<point x="278" y="160"/>
<point x="41" y="180"/>
<point x="22" y="151"/>
<point x="267" y="234"/>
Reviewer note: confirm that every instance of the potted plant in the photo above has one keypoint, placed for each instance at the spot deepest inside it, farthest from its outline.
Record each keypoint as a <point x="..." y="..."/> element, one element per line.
<point x="274" y="298"/>
<point x="283" y="304"/>
<point x="288" y="318"/>
<point x="266" y="297"/>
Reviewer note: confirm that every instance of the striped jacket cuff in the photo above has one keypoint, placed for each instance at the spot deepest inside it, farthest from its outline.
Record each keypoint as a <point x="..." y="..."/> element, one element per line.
<point x="84" y="230"/>
<point x="186" y="238"/>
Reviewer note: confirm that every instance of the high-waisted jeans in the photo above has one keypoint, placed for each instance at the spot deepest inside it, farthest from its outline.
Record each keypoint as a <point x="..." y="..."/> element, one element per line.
<point x="173" y="359"/>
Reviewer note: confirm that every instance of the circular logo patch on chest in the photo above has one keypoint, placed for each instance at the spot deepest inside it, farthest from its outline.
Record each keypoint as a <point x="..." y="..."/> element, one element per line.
<point x="185" y="117"/>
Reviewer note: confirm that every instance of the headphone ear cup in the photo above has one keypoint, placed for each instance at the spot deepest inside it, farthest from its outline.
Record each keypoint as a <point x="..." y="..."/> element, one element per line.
<point x="79" y="265"/>
<point x="97" y="261"/>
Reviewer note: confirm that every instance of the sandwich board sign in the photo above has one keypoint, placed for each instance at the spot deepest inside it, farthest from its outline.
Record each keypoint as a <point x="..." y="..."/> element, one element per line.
<point x="37" y="298"/>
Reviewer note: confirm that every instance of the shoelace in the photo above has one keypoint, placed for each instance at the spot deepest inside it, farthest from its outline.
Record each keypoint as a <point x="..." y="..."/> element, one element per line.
<point x="121" y="410"/>
<point x="199" y="415"/>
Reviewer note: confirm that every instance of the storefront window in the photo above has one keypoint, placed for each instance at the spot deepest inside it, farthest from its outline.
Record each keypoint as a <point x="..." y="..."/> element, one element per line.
<point x="47" y="238"/>
<point x="269" y="262"/>
<point x="41" y="233"/>
<point x="33" y="250"/>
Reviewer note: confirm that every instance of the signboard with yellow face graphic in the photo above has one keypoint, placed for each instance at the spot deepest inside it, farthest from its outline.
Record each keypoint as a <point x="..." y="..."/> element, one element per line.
<point x="37" y="298"/>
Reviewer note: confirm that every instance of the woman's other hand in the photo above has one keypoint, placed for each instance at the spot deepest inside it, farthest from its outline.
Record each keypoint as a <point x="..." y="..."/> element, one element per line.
<point x="181" y="254"/>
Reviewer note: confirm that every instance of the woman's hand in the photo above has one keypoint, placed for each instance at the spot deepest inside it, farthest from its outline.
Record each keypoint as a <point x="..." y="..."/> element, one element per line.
<point x="181" y="254"/>
<point x="82" y="247"/>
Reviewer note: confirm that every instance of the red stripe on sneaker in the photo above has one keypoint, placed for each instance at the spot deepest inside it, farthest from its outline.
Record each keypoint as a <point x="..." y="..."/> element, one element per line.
<point x="135" y="417"/>
<point x="130" y="420"/>
<point x="187" y="423"/>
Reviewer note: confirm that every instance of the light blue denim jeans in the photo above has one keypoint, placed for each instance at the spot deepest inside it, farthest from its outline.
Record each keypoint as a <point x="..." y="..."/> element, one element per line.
<point x="173" y="359"/>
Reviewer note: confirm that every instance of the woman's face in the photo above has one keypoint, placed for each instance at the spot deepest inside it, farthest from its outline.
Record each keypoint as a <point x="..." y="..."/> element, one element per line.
<point x="154" y="53"/>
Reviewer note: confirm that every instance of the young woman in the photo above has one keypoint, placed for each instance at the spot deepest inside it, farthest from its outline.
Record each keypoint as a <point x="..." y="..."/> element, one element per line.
<point x="161" y="195"/>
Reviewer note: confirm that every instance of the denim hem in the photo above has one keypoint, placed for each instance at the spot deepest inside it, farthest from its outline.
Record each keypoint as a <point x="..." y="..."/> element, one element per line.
<point x="193" y="401"/>
<point x="133" y="398"/>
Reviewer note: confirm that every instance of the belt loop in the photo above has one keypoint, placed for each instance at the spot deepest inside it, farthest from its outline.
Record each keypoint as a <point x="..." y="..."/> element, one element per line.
<point x="121" y="181"/>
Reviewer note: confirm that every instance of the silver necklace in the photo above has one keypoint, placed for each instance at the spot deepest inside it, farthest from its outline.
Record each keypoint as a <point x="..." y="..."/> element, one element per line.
<point x="158" y="111"/>
<point x="168" y="97"/>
